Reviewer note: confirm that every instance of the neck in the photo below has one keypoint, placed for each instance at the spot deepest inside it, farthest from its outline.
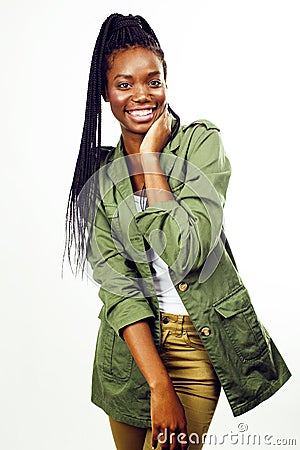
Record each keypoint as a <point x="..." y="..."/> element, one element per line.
<point x="132" y="142"/>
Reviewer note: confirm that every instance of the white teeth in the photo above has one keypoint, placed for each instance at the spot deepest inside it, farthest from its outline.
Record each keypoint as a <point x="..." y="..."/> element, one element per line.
<point x="140" y="112"/>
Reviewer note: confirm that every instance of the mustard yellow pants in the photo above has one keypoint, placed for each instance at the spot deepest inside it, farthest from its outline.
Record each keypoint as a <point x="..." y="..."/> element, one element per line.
<point x="194" y="380"/>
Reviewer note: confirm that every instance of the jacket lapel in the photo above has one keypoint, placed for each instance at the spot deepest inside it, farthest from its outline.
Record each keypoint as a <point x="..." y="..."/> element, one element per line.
<point x="118" y="172"/>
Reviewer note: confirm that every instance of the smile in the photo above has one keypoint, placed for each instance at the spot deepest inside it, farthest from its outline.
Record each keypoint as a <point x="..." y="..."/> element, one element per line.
<point x="141" y="115"/>
<point x="140" y="112"/>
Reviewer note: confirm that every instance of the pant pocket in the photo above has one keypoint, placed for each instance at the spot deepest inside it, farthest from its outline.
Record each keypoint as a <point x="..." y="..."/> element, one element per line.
<point x="192" y="339"/>
<point x="164" y="336"/>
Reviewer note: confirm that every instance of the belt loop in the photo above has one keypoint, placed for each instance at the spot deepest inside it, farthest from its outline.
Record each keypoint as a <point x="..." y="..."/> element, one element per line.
<point x="179" y="324"/>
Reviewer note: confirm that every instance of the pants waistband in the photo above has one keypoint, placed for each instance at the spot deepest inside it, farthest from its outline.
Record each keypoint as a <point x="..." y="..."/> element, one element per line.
<point x="176" y="322"/>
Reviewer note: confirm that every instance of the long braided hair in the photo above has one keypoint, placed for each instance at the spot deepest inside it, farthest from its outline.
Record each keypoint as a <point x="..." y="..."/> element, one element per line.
<point x="117" y="32"/>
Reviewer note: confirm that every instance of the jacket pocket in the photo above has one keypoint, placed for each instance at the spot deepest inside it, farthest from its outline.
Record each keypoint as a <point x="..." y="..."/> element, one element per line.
<point x="112" y="353"/>
<point x="239" y="320"/>
<point x="111" y="210"/>
<point x="112" y="215"/>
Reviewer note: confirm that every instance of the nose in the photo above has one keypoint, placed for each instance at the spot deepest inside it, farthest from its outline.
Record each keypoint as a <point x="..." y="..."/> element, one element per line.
<point x="141" y="93"/>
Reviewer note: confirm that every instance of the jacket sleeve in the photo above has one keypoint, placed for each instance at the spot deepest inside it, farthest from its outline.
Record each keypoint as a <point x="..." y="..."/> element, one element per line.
<point x="120" y="289"/>
<point x="185" y="230"/>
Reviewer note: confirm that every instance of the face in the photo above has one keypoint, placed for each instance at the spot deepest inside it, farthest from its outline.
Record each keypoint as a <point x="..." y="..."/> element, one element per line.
<point x="136" y="89"/>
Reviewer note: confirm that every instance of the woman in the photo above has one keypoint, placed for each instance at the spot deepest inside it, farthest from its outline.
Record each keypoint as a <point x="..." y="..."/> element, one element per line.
<point x="177" y="322"/>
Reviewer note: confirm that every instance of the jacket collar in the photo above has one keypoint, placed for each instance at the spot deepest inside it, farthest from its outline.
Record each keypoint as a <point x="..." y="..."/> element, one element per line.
<point x="172" y="146"/>
<point x="117" y="170"/>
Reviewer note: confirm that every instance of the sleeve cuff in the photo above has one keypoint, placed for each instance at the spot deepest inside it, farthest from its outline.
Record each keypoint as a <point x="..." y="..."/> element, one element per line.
<point x="127" y="312"/>
<point x="172" y="208"/>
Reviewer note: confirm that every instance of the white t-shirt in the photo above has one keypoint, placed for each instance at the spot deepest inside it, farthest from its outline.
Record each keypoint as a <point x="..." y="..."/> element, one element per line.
<point x="168" y="298"/>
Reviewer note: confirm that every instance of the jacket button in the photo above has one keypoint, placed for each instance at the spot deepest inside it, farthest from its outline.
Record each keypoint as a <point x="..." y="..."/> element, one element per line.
<point x="205" y="331"/>
<point x="183" y="286"/>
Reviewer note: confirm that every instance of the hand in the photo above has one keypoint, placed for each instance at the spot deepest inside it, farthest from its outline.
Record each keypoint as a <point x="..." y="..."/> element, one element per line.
<point x="158" y="134"/>
<point x="168" y="419"/>
<point x="167" y="412"/>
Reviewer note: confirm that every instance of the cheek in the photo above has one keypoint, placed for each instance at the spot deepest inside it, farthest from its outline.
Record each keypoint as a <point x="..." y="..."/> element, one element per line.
<point x="161" y="96"/>
<point x="116" y="99"/>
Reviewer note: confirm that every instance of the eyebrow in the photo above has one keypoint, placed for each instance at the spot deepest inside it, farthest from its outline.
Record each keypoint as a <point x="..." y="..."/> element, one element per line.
<point x="124" y="75"/>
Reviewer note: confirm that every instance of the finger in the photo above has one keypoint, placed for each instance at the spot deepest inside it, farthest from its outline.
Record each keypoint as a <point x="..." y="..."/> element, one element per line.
<point x="184" y="440"/>
<point x="154" y="444"/>
<point x="168" y="113"/>
<point x="165" y="112"/>
<point x="164" y="439"/>
<point x="173" y="440"/>
<point x="165" y="115"/>
<point x="179" y="440"/>
<point x="166" y="119"/>
<point x="154" y="437"/>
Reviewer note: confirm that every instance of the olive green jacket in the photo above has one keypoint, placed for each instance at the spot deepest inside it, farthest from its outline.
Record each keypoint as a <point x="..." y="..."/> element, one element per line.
<point x="187" y="233"/>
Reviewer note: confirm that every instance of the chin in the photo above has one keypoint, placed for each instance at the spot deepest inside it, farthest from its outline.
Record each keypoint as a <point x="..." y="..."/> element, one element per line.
<point x="139" y="128"/>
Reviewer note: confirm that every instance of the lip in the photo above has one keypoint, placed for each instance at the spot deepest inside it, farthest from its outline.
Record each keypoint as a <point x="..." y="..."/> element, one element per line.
<point x="138" y="116"/>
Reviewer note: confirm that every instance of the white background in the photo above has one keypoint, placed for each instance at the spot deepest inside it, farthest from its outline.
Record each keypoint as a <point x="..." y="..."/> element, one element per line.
<point x="235" y="63"/>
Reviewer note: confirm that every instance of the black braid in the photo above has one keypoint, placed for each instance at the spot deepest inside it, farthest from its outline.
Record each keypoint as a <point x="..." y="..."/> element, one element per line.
<point x="117" y="32"/>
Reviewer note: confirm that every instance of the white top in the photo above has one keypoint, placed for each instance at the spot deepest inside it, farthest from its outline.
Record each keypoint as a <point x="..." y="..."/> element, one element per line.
<point x="168" y="298"/>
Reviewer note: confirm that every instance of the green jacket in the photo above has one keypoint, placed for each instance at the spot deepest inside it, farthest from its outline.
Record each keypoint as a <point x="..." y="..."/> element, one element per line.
<point x="187" y="233"/>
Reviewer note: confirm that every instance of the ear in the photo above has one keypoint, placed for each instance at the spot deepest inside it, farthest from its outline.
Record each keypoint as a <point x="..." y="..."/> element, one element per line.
<point x="105" y="96"/>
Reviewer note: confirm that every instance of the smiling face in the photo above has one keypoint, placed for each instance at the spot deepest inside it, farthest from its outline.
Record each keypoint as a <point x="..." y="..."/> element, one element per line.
<point x="136" y="89"/>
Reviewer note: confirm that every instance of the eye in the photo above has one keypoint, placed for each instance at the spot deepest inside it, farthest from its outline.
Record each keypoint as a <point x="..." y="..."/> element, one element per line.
<point x="155" y="83"/>
<point x="124" y="85"/>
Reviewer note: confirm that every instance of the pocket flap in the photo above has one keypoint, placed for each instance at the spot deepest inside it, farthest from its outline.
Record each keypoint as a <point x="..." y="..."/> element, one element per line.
<point x="234" y="304"/>
<point x="111" y="211"/>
